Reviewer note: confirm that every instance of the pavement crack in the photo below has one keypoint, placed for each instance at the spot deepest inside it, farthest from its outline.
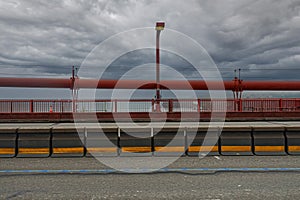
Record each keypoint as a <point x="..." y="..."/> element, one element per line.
<point x="16" y="194"/>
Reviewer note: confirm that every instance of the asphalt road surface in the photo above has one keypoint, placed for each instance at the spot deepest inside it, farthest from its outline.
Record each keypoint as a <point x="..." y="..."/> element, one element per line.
<point x="171" y="185"/>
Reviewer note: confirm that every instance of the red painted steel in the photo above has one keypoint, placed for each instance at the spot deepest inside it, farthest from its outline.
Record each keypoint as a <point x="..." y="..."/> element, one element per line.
<point x="35" y="82"/>
<point x="145" y="117"/>
<point x="149" y="84"/>
<point x="148" y="105"/>
<point x="271" y="85"/>
<point x="157" y="66"/>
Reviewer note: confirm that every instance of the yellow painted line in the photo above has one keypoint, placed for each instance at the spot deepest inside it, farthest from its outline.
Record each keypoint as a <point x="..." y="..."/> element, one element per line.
<point x="294" y="148"/>
<point x="101" y="149"/>
<point x="269" y="148"/>
<point x="34" y="150"/>
<point x="203" y="149"/>
<point x="169" y="149"/>
<point x="136" y="149"/>
<point x="7" y="150"/>
<point x="236" y="148"/>
<point x="68" y="150"/>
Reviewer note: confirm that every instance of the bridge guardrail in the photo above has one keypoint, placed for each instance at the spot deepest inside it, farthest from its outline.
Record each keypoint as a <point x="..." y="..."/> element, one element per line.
<point x="60" y="142"/>
<point x="148" y="105"/>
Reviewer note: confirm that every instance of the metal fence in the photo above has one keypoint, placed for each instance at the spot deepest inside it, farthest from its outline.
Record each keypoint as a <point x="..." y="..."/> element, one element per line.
<point x="165" y="105"/>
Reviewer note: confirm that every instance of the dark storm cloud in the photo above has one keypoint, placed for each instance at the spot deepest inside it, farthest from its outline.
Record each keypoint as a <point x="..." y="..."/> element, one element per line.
<point x="48" y="37"/>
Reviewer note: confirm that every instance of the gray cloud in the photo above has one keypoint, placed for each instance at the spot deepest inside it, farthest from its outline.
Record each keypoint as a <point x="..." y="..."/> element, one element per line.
<point x="45" y="38"/>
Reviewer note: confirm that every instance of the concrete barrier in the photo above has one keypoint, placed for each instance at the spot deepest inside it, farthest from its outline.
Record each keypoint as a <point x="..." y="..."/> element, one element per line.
<point x="67" y="142"/>
<point x="236" y="141"/>
<point x="209" y="146"/>
<point x="293" y="140"/>
<point x="101" y="142"/>
<point x="60" y="140"/>
<point x="8" y="137"/>
<point x="135" y="141"/>
<point x="34" y="142"/>
<point x="169" y="141"/>
<point x="269" y="141"/>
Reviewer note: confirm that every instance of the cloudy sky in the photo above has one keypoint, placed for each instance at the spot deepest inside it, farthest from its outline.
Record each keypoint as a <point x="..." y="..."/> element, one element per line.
<point x="46" y="38"/>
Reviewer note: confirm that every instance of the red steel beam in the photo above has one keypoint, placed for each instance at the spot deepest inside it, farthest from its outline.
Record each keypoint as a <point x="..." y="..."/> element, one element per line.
<point x="142" y="117"/>
<point x="148" y="84"/>
<point x="35" y="82"/>
<point x="271" y="85"/>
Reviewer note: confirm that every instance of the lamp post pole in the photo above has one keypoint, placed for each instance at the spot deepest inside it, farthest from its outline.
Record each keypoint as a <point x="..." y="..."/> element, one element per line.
<point x="159" y="27"/>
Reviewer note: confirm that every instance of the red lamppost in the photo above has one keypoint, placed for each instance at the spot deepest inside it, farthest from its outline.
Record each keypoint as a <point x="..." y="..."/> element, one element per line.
<point x="159" y="27"/>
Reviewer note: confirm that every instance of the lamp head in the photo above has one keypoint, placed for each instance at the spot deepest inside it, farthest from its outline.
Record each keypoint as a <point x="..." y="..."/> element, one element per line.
<point x="160" y="26"/>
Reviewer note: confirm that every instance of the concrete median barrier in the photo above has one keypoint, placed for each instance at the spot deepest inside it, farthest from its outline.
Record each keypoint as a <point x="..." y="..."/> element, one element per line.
<point x="174" y="139"/>
<point x="135" y="141"/>
<point x="101" y="142"/>
<point x="269" y="141"/>
<point x="169" y="142"/>
<point x="293" y="140"/>
<point x="236" y="141"/>
<point x="205" y="143"/>
<point x="67" y="142"/>
<point x="34" y="142"/>
<point x="8" y="137"/>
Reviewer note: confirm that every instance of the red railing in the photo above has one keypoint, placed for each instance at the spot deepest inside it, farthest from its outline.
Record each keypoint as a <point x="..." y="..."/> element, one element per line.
<point x="137" y="105"/>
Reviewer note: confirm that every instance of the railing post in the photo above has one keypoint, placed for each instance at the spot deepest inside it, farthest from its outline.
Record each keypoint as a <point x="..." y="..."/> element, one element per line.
<point x="73" y="105"/>
<point x="62" y="106"/>
<point x="152" y="102"/>
<point x="31" y="106"/>
<point x="240" y="105"/>
<point x="11" y="106"/>
<point x="116" y="105"/>
<point x="280" y="104"/>
<point x="198" y="105"/>
<point x="170" y="105"/>
<point x="297" y="104"/>
<point x="235" y="104"/>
